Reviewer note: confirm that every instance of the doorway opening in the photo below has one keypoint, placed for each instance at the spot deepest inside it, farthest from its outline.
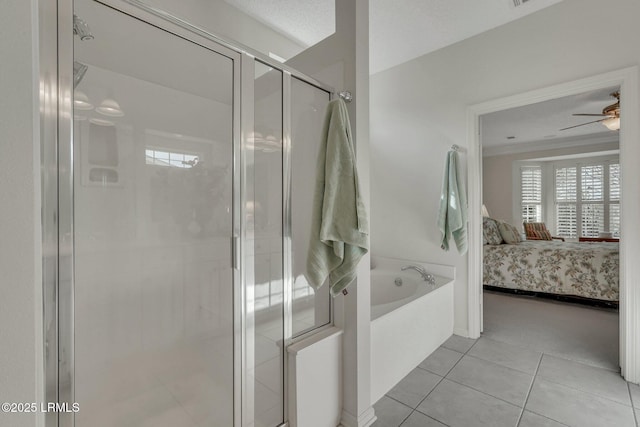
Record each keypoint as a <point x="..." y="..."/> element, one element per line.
<point x="547" y="165"/>
<point x="629" y="298"/>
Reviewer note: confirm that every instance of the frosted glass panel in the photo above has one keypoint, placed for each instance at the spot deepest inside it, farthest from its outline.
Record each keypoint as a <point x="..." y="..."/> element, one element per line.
<point x="265" y="297"/>
<point x="153" y="221"/>
<point x="311" y="309"/>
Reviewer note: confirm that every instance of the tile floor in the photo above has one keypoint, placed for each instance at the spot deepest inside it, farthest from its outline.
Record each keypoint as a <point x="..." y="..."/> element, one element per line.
<point x="487" y="382"/>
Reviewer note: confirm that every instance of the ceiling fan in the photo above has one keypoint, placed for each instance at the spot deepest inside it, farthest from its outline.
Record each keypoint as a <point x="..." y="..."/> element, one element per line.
<point x="610" y="114"/>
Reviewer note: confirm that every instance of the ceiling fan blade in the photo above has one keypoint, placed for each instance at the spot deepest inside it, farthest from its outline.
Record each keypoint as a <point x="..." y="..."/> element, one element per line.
<point x="594" y="115"/>
<point x="583" y="124"/>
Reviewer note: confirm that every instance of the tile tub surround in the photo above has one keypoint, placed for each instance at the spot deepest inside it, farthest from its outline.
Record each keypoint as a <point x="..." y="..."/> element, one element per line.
<point x="493" y="383"/>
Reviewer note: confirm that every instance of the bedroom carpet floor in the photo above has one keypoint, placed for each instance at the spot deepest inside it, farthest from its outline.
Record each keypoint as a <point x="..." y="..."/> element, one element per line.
<point x="571" y="331"/>
<point x="538" y="363"/>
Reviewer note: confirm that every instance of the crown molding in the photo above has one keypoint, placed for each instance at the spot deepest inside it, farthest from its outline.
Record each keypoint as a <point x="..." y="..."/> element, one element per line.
<point x="550" y="144"/>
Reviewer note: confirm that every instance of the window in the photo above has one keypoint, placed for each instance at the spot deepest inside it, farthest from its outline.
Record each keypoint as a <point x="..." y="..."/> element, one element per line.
<point x="531" y="193"/>
<point x="587" y="199"/>
<point x="169" y="158"/>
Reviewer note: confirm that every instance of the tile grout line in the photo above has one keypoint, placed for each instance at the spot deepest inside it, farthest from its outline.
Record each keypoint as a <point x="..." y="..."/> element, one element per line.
<point x="410" y="413"/>
<point x="425" y="398"/>
<point x="488" y="361"/>
<point x="483" y="392"/>
<point x="549" y="418"/>
<point x="537" y="413"/>
<point x="407" y="417"/>
<point x="428" y="416"/>
<point x="499" y="364"/>
<point x="441" y="379"/>
<point x="437" y="384"/>
<point x="393" y="398"/>
<point x="414" y="409"/>
<point x="633" y="409"/>
<point x="533" y="380"/>
<point x="581" y="362"/>
<point x="599" y="396"/>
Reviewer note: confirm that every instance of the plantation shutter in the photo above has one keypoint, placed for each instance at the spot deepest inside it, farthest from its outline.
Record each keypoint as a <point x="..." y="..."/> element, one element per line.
<point x="592" y="219"/>
<point x="592" y="191"/>
<point x="531" y="193"/>
<point x="592" y="183"/>
<point x="614" y="182"/>
<point x="614" y="199"/>
<point x="566" y="186"/>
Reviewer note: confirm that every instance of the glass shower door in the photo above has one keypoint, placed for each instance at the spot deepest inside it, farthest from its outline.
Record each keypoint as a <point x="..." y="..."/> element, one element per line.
<point x="153" y="323"/>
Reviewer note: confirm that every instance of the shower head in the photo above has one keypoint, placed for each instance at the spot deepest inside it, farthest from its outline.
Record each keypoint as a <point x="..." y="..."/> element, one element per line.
<point x="79" y="69"/>
<point x="81" y="29"/>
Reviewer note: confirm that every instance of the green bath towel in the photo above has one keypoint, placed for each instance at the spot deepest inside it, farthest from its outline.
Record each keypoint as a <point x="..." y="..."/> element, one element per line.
<point x="452" y="217"/>
<point x="339" y="226"/>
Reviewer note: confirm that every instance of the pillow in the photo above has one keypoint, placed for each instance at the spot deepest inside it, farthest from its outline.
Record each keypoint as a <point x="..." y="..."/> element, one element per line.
<point x="490" y="232"/>
<point x="540" y="235"/>
<point x="536" y="231"/>
<point x="509" y="233"/>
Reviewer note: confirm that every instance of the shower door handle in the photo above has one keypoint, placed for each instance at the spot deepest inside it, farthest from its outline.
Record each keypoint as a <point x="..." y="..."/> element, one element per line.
<point x="235" y="252"/>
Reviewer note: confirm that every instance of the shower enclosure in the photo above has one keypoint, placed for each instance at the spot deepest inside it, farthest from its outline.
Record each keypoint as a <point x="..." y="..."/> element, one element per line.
<point x="180" y="237"/>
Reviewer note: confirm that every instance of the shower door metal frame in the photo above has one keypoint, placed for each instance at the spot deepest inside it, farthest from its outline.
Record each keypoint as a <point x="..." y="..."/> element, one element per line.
<point x="59" y="309"/>
<point x="58" y="218"/>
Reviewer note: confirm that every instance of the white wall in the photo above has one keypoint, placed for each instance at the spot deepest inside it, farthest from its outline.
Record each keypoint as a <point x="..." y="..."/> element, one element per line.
<point x="20" y="249"/>
<point x="497" y="176"/>
<point x="418" y="109"/>
<point x="224" y="20"/>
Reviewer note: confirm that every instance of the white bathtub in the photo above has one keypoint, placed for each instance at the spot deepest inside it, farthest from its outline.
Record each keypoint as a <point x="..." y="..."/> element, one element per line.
<point x="408" y="322"/>
<point x="386" y="295"/>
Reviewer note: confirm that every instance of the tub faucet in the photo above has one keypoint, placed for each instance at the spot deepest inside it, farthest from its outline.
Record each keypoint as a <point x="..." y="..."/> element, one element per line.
<point x="427" y="277"/>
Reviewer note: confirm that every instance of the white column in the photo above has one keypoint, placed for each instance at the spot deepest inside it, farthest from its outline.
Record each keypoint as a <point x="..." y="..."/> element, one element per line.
<point x="342" y="61"/>
<point x="352" y="19"/>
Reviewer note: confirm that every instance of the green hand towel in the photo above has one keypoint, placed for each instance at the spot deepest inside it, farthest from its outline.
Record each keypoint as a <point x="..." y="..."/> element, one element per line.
<point x="340" y="230"/>
<point x="452" y="216"/>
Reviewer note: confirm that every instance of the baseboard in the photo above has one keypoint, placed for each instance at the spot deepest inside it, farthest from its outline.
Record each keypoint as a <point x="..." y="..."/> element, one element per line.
<point x="461" y="332"/>
<point x="365" y="419"/>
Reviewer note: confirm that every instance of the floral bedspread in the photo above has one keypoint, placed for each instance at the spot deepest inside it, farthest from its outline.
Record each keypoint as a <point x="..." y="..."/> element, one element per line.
<point x="581" y="269"/>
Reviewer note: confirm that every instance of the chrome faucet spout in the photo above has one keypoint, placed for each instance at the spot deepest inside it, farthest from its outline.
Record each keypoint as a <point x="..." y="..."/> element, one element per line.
<point x="426" y="276"/>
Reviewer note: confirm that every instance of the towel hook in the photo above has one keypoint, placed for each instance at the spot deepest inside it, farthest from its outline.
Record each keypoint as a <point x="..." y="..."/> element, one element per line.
<point x="346" y="95"/>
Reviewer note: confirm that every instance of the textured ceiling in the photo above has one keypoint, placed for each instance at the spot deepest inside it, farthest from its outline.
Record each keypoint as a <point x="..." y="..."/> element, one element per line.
<point x="403" y="30"/>
<point x="399" y="30"/>
<point x="543" y="121"/>
<point x="304" y="21"/>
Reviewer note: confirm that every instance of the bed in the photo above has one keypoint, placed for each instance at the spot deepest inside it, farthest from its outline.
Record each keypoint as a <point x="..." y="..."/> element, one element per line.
<point x="586" y="271"/>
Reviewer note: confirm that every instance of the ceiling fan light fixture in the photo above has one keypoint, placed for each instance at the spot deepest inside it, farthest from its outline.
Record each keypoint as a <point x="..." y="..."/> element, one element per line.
<point x="612" y="123"/>
<point x="81" y="101"/>
<point x="110" y="107"/>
